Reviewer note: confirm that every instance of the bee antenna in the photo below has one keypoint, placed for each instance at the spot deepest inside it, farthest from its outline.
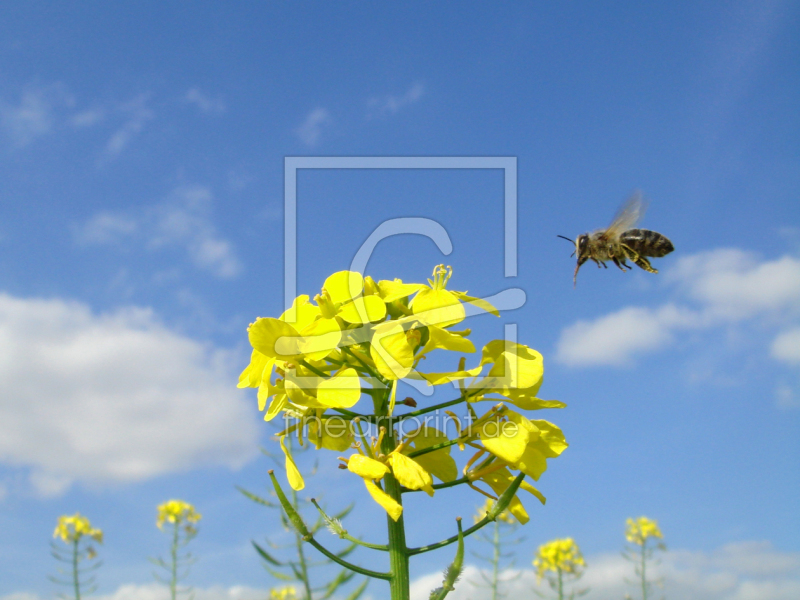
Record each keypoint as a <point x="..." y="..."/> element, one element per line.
<point x="570" y="241"/>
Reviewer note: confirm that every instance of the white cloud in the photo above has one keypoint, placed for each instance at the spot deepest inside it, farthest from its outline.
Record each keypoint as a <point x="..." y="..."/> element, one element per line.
<point x="34" y="115"/>
<point x="203" y="102"/>
<point x="389" y="104"/>
<point x="786" y="347"/>
<point x="183" y="220"/>
<point x="114" y="397"/>
<point x="715" y="288"/>
<point x="732" y="284"/>
<point x="310" y="131"/>
<point x="743" y="571"/>
<point x="137" y="114"/>
<point x="615" y="339"/>
<point x="87" y="118"/>
<point x="105" y="228"/>
<point x="155" y="591"/>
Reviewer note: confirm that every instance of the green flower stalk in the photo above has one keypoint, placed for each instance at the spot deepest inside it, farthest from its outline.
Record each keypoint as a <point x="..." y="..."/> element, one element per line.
<point x="561" y="563"/>
<point x="181" y="517"/>
<point x="332" y="367"/>
<point x="76" y="531"/>
<point x="639" y="532"/>
<point x="298" y="568"/>
<point x="498" y="538"/>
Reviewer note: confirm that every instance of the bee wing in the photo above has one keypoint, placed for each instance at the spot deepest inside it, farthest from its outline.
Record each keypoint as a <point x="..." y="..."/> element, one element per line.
<point x="630" y="213"/>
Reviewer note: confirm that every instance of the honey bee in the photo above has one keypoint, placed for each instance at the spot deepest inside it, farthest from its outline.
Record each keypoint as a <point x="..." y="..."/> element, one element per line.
<point x="621" y="241"/>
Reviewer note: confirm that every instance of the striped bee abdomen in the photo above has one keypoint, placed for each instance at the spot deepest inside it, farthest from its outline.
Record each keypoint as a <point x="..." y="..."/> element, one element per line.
<point x="646" y="242"/>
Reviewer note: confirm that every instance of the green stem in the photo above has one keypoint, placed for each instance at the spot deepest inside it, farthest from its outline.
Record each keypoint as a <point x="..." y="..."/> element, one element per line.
<point x="480" y="524"/>
<point x="644" y="576"/>
<point x="340" y="531"/>
<point x="75" y="579"/>
<point x="433" y="448"/>
<point x="440" y="486"/>
<point x="300" y="555"/>
<point x="398" y="551"/>
<point x="560" y="584"/>
<point x="347" y="565"/>
<point x="173" y="582"/>
<point x="428" y="409"/>
<point x="495" y="560"/>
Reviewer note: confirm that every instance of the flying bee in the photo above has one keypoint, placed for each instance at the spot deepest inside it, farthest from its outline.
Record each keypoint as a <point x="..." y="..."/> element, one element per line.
<point x="620" y="241"/>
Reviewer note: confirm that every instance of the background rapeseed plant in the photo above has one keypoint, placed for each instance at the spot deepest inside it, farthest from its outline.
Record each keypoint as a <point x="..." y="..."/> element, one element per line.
<point x="76" y="532"/>
<point x="353" y="344"/>
<point x="639" y="532"/>
<point x="498" y="538"/>
<point x="561" y="563"/>
<point x="180" y="518"/>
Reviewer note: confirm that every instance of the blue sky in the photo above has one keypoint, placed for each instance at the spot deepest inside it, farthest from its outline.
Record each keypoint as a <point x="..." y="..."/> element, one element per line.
<point x="141" y="229"/>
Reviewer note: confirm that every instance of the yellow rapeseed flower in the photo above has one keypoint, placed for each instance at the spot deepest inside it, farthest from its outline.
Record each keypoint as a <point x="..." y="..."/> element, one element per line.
<point x="638" y="531"/>
<point x="73" y="528"/>
<point x="177" y="511"/>
<point x="558" y="556"/>
<point x="285" y="593"/>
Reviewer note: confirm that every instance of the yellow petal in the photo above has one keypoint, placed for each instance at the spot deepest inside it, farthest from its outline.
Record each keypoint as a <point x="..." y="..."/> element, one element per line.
<point x="366" y="467"/>
<point x="366" y="309"/>
<point x="252" y="374"/>
<point x="302" y="387"/>
<point x="320" y="338"/>
<point x="301" y="314"/>
<point x="340" y="391"/>
<point x="344" y="285"/>
<point x="409" y="473"/>
<point x="505" y="439"/>
<point x="292" y="473"/>
<point x="275" y="339"/>
<point x="438" y="307"/>
<point x="385" y="500"/>
<point x="394" y="290"/>
<point x="266" y="389"/>
<point x="336" y="434"/>
<point x="551" y="441"/>
<point x="438" y="463"/>
<point x="276" y="406"/>
<point x="532" y="463"/>
<point x="445" y="340"/>
<point x="517" y="371"/>
<point x="441" y="378"/>
<point x="479" y="302"/>
<point x="390" y="350"/>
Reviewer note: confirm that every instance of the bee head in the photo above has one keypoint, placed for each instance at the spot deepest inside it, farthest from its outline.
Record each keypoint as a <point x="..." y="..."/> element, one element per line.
<point x="582" y="250"/>
<point x="581" y="247"/>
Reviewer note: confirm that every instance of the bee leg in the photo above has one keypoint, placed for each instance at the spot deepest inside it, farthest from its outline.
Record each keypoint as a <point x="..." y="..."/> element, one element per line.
<point x="620" y="262"/>
<point x="600" y="263"/>
<point x="639" y="260"/>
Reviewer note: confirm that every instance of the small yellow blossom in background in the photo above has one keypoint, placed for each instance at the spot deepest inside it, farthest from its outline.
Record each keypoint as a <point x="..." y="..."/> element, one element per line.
<point x="182" y="516"/>
<point x="503" y="517"/>
<point x="284" y="593"/>
<point x="558" y="556"/>
<point x="77" y="532"/>
<point x="177" y="511"/>
<point x="71" y="529"/>
<point x="638" y="531"/>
